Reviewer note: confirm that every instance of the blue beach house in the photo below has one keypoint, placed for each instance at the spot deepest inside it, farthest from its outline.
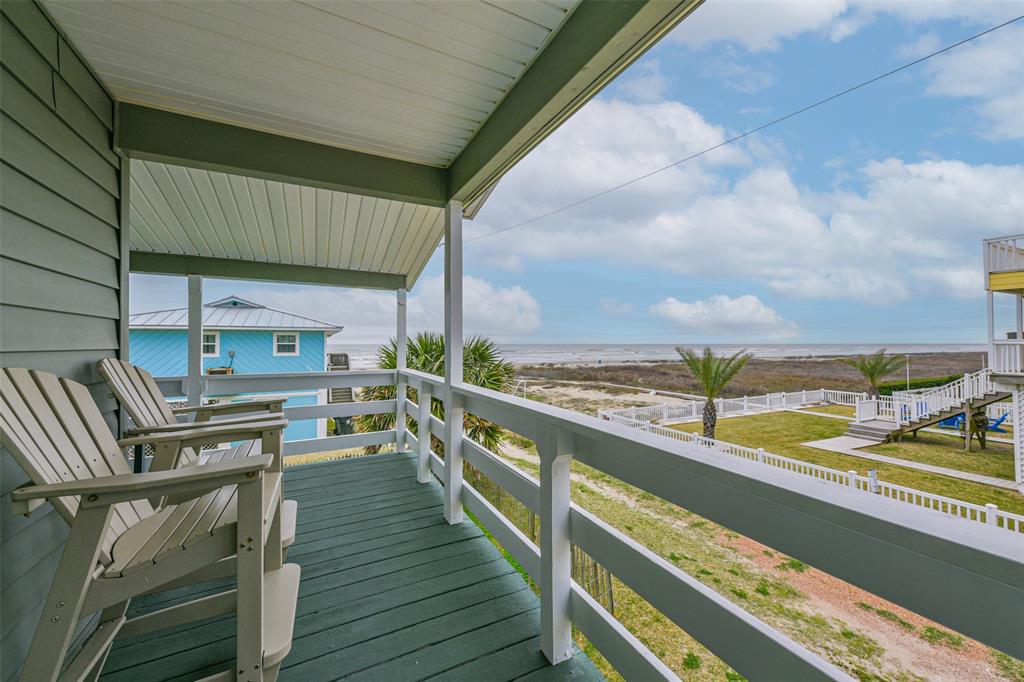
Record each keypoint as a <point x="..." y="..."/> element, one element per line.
<point x="239" y="337"/>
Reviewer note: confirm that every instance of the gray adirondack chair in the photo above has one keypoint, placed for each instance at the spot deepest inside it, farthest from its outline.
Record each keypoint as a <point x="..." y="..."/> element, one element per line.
<point x="137" y="391"/>
<point x="230" y="522"/>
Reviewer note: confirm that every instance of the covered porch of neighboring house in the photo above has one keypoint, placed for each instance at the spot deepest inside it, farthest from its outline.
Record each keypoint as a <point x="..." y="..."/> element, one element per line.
<point x="251" y="167"/>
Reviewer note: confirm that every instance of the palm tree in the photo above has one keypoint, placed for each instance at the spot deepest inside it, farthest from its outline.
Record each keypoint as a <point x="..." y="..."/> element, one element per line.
<point x="874" y="368"/>
<point x="713" y="373"/>
<point x="482" y="365"/>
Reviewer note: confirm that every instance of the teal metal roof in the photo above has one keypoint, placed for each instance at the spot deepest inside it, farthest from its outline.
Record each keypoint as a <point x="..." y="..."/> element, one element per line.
<point x="231" y="312"/>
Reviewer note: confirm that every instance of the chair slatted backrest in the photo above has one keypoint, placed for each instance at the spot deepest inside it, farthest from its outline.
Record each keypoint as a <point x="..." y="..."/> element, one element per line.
<point x="138" y="393"/>
<point x="56" y="433"/>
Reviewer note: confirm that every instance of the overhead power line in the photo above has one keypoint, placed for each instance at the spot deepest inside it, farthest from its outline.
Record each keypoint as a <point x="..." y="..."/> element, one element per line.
<point x="750" y="132"/>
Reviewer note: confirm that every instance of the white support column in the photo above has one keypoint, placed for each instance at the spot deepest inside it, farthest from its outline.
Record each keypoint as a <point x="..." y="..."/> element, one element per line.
<point x="1018" y="437"/>
<point x="555" y="450"/>
<point x="194" y="383"/>
<point x="991" y="330"/>
<point x="453" y="412"/>
<point x="401" y="383"/>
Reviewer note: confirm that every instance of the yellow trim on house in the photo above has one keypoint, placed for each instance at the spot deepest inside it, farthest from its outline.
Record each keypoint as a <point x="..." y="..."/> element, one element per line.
<point x="1006" y="281"/>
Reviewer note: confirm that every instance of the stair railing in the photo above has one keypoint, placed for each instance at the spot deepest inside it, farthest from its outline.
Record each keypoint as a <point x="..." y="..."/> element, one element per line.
<point x="970" y="387"/>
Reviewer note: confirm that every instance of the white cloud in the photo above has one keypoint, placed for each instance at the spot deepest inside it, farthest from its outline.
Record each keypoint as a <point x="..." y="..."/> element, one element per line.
<point x="876" y="244"/>
<point x="369" y="316"/>
<point x="733" y="74"/>
<point x="989" y="71"/>
<point x="720" y="315"/>
<point x="762" y="25"/>
<point x="644" y="82"/>
<point x="614" y="307"/>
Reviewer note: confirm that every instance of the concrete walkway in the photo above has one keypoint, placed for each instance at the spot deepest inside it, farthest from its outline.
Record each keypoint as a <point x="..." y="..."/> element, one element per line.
<point x="848" y="445"/>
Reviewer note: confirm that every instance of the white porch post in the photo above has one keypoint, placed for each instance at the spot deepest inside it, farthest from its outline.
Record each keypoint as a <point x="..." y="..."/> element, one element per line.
<point x="194" y="383"/>
<point x="991" y="330"/>
<point x="453" y="412"/>
<point x="555" y="450"/>
<point x="401" y="383"/>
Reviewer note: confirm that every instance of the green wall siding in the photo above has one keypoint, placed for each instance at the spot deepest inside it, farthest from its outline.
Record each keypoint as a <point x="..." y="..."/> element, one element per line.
<point x="60" y="269"/>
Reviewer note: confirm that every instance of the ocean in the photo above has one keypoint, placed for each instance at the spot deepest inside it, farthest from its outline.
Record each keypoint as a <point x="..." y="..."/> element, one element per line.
<point x="363" y="356"/>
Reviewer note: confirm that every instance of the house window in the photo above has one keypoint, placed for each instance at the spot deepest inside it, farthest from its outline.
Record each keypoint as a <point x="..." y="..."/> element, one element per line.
<point x="211" y="344"/>
<point x="286" y="343"/>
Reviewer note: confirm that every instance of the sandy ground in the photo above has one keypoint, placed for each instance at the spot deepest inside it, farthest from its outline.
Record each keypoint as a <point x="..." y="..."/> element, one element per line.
<point x="761" y="375"/>
<point x="905" y="651"/>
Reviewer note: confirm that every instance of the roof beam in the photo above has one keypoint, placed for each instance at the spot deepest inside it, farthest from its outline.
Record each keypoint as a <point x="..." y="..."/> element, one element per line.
<point x="156" y="135"/>
<point x="583" y="56"/>
<point x="229" y="268"/>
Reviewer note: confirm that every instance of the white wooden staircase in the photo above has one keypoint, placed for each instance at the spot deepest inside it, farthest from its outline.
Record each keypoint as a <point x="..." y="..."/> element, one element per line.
<point x="911" y="412"/>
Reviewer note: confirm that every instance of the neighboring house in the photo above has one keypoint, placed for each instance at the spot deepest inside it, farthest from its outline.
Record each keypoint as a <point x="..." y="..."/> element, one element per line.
<point x="239" y="337"/>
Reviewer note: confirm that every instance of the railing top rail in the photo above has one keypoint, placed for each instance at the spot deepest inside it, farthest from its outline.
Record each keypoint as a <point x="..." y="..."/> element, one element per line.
<point x="1008" y="238"/>
<point x="418" y="376"/>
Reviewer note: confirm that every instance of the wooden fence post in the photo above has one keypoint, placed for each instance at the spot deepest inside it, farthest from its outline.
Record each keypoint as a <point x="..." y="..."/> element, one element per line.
<point x="554" y="447"/>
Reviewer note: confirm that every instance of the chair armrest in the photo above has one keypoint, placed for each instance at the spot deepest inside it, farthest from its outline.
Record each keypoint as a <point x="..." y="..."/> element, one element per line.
<point x="266" y="404"/>
<point x="184" y="426"/>
<point x="208" y="433"/>
<point x="106" y="490"/>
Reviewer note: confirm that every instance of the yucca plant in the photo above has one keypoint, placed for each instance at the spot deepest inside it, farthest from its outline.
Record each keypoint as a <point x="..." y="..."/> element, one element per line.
<point x="874" y="368"/>
<point x="483" y="365"/>
<point x="713" y="373"/>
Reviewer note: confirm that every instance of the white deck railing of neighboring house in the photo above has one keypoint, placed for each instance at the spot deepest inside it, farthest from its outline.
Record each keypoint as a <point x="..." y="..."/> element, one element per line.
<point x="691" y="410"/>
<point x="988" y="514"/>
<point x="904" y="407"/>
<point x="906" y="553"/>
<point x="1004" y="254"/>
<point x="1007" y="356"/>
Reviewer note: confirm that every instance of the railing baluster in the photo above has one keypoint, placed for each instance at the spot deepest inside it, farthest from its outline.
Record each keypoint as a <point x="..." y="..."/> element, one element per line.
<point x="423" y="423"/>
<point x="554" y="446"/>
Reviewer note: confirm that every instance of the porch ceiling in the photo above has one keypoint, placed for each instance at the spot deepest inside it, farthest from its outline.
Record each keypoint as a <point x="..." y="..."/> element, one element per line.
<point x="407" y="80"/>
<point x="191" y="216"/>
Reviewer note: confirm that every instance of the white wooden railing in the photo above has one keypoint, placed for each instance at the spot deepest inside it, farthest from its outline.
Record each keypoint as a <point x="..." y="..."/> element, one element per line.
<point x="690" y="410"/>
<point x="1007" y="356"/>
<point x="1004" y="254"/>
<point x="987" y="513"/>
<point x="903" y="552"/>
<point x="909" y="407"/>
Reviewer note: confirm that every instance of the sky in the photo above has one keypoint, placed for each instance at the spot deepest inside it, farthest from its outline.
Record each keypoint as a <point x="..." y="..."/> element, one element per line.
<point x="859" y="221"/>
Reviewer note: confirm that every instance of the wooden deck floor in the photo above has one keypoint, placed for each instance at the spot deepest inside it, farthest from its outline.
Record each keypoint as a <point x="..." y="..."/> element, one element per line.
<point x="389" y="592"/>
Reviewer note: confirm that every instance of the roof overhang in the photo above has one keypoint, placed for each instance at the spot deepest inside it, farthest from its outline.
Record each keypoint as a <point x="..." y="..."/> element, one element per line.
<point x="405" y="112"/>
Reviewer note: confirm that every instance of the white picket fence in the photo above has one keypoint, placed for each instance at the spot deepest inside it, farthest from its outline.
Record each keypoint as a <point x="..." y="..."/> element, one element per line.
<point x="691" y="410"/>
<point x="987" y="513"/>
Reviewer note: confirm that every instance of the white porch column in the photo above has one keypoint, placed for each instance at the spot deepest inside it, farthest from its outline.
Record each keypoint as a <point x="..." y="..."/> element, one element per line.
<point x="400" y="363"/>
<point x="453" y="412"/>
<point x="991" y="330"/>
<point x="555" y="450"/>
<point x="194" y="384"/>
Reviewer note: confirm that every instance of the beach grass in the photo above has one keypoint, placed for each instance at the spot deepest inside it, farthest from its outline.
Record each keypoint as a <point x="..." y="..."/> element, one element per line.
<point x="783" y="433"/>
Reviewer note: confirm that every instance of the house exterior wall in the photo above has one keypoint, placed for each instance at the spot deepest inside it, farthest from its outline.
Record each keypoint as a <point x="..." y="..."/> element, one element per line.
<point x="60" y="270"/>
<point x="164" y="352"/>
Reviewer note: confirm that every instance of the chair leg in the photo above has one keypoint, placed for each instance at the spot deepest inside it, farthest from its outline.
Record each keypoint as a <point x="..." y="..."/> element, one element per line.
<point x="63" y="605"/>
<point x="273" y="557"/>
<point x="249" y="663"/>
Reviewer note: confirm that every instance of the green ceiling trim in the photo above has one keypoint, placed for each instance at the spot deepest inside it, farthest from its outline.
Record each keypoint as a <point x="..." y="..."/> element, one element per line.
<point x="156" y="135"/>
<point x="229" y="268"/>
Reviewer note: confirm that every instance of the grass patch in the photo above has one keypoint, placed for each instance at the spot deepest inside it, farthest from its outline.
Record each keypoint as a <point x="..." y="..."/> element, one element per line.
<point x="792" y="565"/>
<point x="783" y="432"/>
<point x="935" y="635"/>
<point x="841" y="410"/>
<point x="891" y="616"/>
<point x="691" y="661"/>
<point x="860" y="645"/>
<point x="1008" y="666"/>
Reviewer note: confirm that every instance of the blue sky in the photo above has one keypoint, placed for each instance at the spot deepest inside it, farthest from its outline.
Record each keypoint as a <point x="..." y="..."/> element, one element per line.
<point x="859" y="221"/>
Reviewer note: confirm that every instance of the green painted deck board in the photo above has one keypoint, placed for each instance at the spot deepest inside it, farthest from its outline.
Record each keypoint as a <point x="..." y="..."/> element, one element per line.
<point x="389" y="591"/>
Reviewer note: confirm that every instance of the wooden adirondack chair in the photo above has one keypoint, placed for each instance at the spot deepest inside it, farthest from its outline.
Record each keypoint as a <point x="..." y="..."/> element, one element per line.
<point x="121" y="546"/>
<point x="137" y="391"/>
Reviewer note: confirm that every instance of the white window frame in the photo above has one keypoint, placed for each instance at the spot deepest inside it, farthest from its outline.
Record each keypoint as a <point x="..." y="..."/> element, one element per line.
<point x="287" y="355"/>
<point x="216" y="343"/>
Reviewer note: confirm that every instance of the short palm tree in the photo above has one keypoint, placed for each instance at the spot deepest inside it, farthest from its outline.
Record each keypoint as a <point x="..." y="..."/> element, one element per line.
<point x="482" y="364"/>
<point x="874" y="368"/>
<point x="713" y="373"/>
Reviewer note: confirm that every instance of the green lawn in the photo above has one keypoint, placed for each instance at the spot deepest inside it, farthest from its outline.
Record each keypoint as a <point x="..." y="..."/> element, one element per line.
<point x="841" y="410"/>
<point x="783" y="432"/>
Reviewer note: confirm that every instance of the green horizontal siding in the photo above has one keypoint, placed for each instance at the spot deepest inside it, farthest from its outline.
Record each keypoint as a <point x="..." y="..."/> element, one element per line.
<point x="59" y="271"/>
